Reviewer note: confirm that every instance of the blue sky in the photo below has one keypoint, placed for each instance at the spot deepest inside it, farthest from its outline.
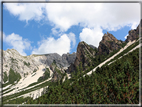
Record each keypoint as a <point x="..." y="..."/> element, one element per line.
<point x="58" y="28"/>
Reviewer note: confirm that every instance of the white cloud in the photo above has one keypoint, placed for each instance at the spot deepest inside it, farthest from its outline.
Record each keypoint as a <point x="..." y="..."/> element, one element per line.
<point x="72" y="38"/>
<point x="91" y="36"/>
<point x="18" y="43"/>
<point x="134" y="25"/>
<point x="111" y="16"/>
<point x="26" y="11"/>
<point x="51" y="45"/>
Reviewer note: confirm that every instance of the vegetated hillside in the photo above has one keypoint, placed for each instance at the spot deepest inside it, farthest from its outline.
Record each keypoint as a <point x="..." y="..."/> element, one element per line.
<point x="117" y="83"/>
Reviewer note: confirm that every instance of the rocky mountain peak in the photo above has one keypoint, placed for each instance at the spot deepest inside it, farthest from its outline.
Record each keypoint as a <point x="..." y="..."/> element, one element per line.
<point x="84" y="52"/>
<point x="108" y="44"/>
<point x="109" y="37"/>
<point x="134" y="34"/>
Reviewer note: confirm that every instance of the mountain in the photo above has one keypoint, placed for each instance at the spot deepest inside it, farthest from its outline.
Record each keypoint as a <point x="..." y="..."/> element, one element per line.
<point x="25" y="65"/>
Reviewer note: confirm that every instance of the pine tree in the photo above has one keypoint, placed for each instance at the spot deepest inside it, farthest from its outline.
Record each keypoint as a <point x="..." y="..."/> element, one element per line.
<point x="81" y="68"/>
<point x="77" y="71"/>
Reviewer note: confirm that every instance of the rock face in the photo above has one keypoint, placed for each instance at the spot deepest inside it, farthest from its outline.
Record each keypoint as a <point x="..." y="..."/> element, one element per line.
<point x="27" y="64"/>
<point x="83" y="56"/>
<point x="70" y="58"/>
<point x="108" y="44"/>
<point x="62" y="61"/>
<point x="56" y="77"/>
<point x="134" y="34"/>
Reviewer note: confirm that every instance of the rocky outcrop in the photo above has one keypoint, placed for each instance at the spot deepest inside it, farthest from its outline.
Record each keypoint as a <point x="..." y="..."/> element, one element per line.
<point x="108" y="44"/>
<point x="57" y="72"/>
<point x="56" y="77"/>
<point x="83" y="56"/>
<point x="134" y="34"/>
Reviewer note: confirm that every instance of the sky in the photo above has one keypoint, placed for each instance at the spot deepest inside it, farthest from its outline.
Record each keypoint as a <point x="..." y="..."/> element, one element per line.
<point x="43" y="28"/>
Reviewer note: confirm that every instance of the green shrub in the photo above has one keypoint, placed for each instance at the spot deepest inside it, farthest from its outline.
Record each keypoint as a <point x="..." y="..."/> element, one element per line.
<point x="34" y="70"/>
<point x="27" y="64"/>
<point x="6" y="66"/>
<point x="5" y="77"/>
<point x="13" y="60"/>
<point x="13" y="76"/>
